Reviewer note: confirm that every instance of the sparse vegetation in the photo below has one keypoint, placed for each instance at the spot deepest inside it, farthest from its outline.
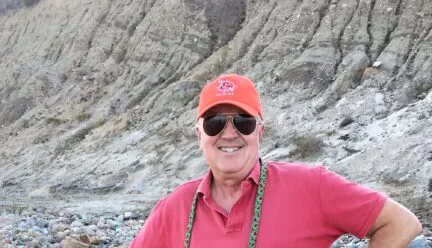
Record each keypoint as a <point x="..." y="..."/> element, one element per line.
<point x="421" y="89"/>
<point x="391" y="178"/>
<point x="83" y="116"/>
<point x="28" y="3"/>
<point x="63" y="77"/>
<point x="176" y="137"/>
<point x="53" y="120"/>
<point x="41" y="139"/>
<point x="307" y="146"/>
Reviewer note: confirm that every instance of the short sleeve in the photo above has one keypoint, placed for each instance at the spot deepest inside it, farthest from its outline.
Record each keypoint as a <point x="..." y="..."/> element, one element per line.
<point x="347" y="206"/>
<point x="153" y="232"/>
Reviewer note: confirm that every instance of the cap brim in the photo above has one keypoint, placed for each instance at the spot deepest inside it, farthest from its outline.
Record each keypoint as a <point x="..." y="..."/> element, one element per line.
<point x="241" y="105"/>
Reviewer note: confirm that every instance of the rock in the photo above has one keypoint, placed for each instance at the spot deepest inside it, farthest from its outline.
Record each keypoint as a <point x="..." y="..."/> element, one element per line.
<point x="40" y="210"/>
<point x="85" y="239"/>
<point x="59" y="227"/>
<point x="346" y="121"/>
<point x="377" y="64"/>
<point x="70" y="242"/>
<point x="131" y="215"/>
<point x="95" y="240"/>
<point x="419" y="242"/>
<point x="369" y="72"/>
<point x="122" y="246"/>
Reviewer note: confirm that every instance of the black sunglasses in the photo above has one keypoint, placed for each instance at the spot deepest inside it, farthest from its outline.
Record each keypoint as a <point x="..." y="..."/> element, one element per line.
<point x="244" y="123"/>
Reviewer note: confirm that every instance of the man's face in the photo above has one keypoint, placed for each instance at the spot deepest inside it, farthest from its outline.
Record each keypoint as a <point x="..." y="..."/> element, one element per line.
<point x="230" y="153"/>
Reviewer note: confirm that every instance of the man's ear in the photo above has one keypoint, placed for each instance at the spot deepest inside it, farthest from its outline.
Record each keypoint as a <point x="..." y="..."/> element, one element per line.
<point x="197" y="132"/>
<point x="261" y="132"/>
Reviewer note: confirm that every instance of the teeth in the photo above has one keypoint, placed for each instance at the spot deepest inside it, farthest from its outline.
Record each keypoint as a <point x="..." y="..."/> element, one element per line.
<point x="229" y="149"/>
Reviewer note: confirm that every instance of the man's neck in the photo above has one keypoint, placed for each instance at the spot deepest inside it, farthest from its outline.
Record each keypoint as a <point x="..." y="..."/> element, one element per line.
<point x="225" y="194"/>
<point x="227" y="189"/>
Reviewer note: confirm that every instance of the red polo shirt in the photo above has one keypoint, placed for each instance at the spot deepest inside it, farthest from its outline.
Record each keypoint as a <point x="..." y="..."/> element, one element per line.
<point x="303" y="206"/>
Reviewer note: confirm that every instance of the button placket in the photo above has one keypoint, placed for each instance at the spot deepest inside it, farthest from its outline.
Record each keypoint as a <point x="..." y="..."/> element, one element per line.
<point x="236" y="216"/>
<point x="256" y="211"/>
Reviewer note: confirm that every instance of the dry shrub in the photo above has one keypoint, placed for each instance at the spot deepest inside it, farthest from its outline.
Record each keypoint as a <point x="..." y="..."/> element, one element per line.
<point x="83" y="116"/>
<point x="28" y="3"/>
<point x="53" y="120"/>
<point x="307" y="146"/>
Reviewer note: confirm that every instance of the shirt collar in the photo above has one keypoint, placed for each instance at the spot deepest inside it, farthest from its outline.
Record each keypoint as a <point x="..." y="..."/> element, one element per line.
<point x="205" y="184"/>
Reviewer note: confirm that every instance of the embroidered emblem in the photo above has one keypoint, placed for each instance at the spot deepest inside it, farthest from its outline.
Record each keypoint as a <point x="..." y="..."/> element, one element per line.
<point x="225" y="88"/>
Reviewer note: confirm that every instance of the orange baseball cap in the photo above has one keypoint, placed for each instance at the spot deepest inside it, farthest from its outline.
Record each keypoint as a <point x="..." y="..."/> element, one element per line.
<point x="230" y="89"/>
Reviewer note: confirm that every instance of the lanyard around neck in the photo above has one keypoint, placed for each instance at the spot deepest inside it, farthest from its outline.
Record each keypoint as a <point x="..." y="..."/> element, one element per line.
<point x="257" y="210"/>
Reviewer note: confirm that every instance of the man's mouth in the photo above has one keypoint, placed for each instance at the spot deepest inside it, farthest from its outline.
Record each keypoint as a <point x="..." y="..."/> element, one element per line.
<point x="229" y="149"/>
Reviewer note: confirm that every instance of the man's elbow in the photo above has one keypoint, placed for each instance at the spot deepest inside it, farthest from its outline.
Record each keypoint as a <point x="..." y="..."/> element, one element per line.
<point x="408" y="229"/>
<point x="411" y="225"/>
<point x="395" y="224"/>
<point x="416" y="227"/>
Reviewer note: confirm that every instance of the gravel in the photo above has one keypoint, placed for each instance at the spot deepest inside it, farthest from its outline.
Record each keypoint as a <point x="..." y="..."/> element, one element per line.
<point x="38" y="227"/>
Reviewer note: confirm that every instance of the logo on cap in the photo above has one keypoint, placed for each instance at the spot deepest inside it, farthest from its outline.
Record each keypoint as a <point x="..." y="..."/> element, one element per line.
<point x="225" y="88"/>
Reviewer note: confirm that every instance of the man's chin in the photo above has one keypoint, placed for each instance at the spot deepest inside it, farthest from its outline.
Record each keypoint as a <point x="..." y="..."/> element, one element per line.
<point x="229" y="168"/>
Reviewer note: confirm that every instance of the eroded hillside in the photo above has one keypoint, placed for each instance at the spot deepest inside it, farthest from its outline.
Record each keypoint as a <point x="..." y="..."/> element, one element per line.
<point x="97" y="98"/>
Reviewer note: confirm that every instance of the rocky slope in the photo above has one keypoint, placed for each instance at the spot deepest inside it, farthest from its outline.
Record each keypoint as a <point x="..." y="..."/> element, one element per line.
<point x="97" y="98"/>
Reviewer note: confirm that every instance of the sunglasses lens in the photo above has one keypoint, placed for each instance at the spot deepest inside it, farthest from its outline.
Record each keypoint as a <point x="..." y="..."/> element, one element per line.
<point x="214" y="124"/>
<point x="244" y="123"/>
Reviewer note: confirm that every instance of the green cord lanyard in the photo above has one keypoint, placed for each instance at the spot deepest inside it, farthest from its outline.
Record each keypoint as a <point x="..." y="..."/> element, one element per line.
<point x="257" y="210"/>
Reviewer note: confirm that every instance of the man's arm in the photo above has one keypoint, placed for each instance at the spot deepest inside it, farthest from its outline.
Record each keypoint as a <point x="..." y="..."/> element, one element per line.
<point x="395" y="227"/>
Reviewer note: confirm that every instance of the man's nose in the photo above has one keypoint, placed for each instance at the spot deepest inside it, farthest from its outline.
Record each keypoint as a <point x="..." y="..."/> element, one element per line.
<point x="229" y="131"/>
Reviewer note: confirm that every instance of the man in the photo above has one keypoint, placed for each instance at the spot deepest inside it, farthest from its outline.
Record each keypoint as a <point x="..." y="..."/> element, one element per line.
<point x="246" y="202"/>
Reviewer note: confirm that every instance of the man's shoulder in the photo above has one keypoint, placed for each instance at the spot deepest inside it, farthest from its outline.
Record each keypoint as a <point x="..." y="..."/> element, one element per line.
<point x="298" y="176"/>
<point x="188" y="187"/>
<point x="294" y="172"/>
<point x="293" y="167"/>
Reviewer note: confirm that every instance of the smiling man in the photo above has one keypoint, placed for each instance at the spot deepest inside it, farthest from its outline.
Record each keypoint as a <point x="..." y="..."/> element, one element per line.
<point x="246" y="202"/>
